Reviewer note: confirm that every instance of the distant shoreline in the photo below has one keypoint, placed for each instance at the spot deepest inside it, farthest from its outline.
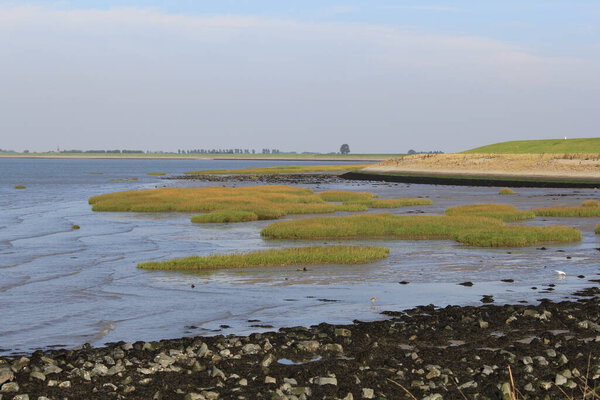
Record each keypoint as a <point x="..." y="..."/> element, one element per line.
<point x="374" y="157"/>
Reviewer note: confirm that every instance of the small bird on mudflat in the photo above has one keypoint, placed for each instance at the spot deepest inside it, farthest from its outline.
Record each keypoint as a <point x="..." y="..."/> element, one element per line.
<point x="561" y="274"/>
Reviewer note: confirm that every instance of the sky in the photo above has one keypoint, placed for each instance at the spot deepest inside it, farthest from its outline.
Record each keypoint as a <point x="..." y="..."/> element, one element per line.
<point x="383" y="76"/>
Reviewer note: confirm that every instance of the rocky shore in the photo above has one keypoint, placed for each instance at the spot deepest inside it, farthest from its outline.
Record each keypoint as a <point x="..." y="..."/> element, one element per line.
<point x="549" y="351"/>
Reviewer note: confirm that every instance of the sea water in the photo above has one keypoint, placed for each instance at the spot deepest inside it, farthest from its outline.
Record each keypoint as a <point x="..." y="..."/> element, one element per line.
<point x="61" y="287"/>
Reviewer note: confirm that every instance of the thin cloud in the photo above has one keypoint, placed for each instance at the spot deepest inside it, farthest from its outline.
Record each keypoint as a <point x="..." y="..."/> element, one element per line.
<point x="127" y="77"/>
<point x="424" y="8"/>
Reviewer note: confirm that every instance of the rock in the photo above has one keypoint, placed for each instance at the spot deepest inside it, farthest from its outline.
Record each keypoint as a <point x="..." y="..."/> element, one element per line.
<point x="560" y="380"/>
<point x="433" y="373"/>
<point x="52" y="369"/>
<point x="21" y="397"/>
<point x="163" y="360"/>
<point x="10" y="387"/>
<point x="99" y="369"/>
<point x="270" y="379"/>
<point x="483" y="324"/>
<point x="6" y="374"/>
<point x="333" y="347"/>
<point x="268" y="360"/>
<point x="434" y="396"/>
<point x="129" y="389"/>
<point x="487" y="370"/>
<point x="467" y="385"/>
<point x="65" y="384"/>
<point x="367" y="393"/>
<point x="325" y="380"/>
<point x="343" y="332"/>
<point x="210" y="395"/>
<point x="527" y="360"/>
<point x="38" y="375"/>
<point x="194" y="396"/>
<point x="309" y="346"/>
<point x="251" y="348"/>
<point x="217" y="373"/>
<point x="19" y="364"/>
<point x="243" y="382"/>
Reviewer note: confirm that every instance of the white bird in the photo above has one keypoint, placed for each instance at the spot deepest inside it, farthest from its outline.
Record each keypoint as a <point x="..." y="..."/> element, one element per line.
<point x="373" y="299"/>
<point x="561" y="274"/>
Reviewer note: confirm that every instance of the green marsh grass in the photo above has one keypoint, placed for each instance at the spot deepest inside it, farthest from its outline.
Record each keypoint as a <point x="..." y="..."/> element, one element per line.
<point x="284" y="169"/>
<point x="225" y="216"/>
<point x="472" y="230"/>
<point x="156" y="173"/>
<point x="345" y="195"/>
<point x="597" y="230"/>
<point x="391" y="203"/>
<point x="75" y="227"/>
<point x="506" y="191"/>
<point x="294" y="256"/>
<point x="518" y="236"/>
<point x="376" y="226"/>
<point x="591" y="203"/>
<point x="20" y="187"/>
<point x="505" y="212"/>
<point x="237" y="204"/>
<point x="568" y="211"/>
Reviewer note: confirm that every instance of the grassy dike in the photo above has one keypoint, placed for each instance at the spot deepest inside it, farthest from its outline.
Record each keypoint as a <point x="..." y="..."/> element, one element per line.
<point x="573" y="146"/>
<point x="294" y="256"/>
<point x="471" y="230"/>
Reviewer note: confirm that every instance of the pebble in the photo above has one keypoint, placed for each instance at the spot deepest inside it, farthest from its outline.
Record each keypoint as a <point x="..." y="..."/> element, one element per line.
<point x="325" y="381"/>
<point x="368" y="393"/>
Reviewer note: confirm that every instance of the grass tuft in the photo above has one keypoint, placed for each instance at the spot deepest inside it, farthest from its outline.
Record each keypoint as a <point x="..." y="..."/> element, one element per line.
<point x="156" y="173"/>
<point x="390" y="203"/>
<point x="225" y="216"/>
<point x="344" y="195"/>
<point x="506" y="191"/>
<point x="20" y="187"/>
<point x="591" y="203"/>
<point x="293" y="256"/>
<point x="597" y="230"/>
<point x="472" y="230"/>
<point x="505" y="212"/>
<point x="74" y="227"/>
<point x="284" y="169"/>
<point x="518" y="236"/>
<point x="568" y="211"/>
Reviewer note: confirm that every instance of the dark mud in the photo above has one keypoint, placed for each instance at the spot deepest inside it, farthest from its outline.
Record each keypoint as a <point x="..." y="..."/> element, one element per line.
<point x="271" y="179"/>
<point x="552" y="350"/>
<point x="470" y="181"/>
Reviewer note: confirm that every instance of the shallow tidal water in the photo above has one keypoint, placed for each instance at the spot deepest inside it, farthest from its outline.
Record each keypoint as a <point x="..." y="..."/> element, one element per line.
<point x="62" y="287"/>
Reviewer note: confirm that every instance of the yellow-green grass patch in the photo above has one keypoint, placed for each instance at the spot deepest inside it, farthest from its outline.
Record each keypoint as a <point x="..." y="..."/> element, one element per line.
<point x="597" y="230"/>
<point x="156" y="173"/>
<point x="506" y="191"/>
<point x="225" y="216"/>
<point x="376" y="226"/>
<point x="294" y="256"/>
<point x="266" y="202"/>
<point x="591" y="203"/>
<point x="345" y="195"/>
<point x="391" y="203"/>
<point x="473" y="230"/>
<point x="75" y="227"/>
<point x="20" y="186"/>
<point x="518" y="236"/>
<point x="505" y="212"/>
<point x="284" y="169"/>
<point x="568" y="211"/>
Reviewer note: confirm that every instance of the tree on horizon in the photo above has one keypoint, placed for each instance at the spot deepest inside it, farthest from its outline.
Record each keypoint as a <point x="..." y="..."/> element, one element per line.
<point x="345" y="149"/>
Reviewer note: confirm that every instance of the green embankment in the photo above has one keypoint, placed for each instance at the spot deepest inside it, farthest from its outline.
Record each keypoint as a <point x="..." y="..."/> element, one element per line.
<point x="294" y="256"/>
<point x="578" y="146"/>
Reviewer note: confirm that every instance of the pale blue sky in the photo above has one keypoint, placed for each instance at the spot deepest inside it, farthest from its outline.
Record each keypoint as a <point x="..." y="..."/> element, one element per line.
<point x="381" y="75"/>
